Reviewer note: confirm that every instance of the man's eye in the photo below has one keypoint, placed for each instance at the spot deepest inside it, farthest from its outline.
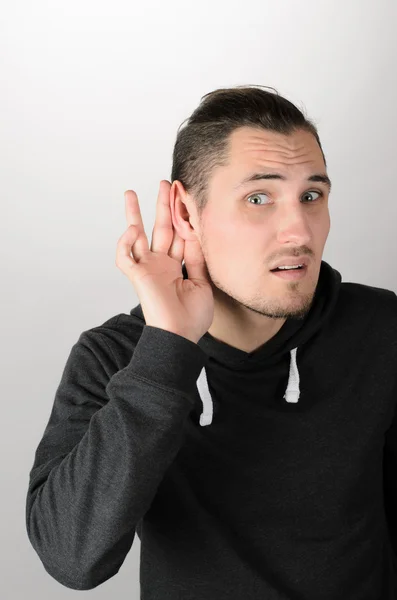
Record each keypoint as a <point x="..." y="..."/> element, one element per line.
<point x="257" y="196"/>
<point x="313" y="192"/>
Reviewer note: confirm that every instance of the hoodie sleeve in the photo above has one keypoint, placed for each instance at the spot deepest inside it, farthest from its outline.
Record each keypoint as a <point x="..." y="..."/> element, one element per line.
<point x="390" y="439"/>
<point x="110" y="437"/>
<point x="390" y="482"/>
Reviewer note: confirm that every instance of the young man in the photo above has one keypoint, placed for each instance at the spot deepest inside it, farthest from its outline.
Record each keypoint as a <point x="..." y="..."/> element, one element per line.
<point x="240" y="419"/>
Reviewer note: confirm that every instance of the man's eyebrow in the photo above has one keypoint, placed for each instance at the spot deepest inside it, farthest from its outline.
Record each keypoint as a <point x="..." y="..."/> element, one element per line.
<point x="319" y="177"/>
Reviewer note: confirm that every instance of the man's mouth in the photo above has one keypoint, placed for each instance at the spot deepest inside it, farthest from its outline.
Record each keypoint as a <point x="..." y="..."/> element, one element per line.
<point x="290" y="273"/>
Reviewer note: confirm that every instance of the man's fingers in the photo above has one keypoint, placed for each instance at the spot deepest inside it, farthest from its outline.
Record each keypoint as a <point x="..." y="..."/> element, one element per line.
<point x="124" y="261"/>
<point x="163" y="230"/>
<point x="177" y="248"/>
<point x="134" y="217"/>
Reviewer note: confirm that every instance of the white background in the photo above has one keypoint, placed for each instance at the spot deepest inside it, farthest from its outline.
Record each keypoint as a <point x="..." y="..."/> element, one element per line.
<point x="92" y="94"/>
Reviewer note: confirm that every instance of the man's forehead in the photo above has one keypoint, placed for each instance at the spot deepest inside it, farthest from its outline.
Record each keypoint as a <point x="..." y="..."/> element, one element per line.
<point x="252" y="140"/>
<point x="259" y="155"/>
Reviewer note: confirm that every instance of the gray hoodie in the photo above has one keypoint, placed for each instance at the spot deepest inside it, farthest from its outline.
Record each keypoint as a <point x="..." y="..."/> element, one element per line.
<point x="270" y="474"/>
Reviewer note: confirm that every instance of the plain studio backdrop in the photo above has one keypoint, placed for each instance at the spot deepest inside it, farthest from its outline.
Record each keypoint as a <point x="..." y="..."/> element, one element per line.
<point x="92" y="94"/>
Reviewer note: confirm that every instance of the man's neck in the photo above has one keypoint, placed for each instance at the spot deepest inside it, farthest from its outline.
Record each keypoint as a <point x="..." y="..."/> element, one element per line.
<point x="241" y="336"/>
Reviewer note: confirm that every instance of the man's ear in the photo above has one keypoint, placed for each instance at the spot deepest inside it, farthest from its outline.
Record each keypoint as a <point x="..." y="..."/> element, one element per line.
<point x="183" y="213"/>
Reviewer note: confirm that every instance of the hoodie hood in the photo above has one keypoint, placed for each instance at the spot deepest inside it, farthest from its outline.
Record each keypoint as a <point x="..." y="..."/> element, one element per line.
<point x="293" y="334"/>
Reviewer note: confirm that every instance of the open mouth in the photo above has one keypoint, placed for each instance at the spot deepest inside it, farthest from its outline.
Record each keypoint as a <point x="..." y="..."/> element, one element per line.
<point x="294" y="273"/>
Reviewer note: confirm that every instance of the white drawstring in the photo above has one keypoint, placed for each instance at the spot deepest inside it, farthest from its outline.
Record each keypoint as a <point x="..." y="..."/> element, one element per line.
<point x="292" y="392"/>
<point x="291" y="395"/>
<point x="202" y="384"/>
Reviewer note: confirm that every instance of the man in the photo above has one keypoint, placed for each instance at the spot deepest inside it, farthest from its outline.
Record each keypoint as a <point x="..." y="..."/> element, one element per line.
<point x="240" y="419"/>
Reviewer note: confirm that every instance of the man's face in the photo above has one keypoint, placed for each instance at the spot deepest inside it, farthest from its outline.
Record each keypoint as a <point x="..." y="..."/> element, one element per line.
<point x="247" y="228"/>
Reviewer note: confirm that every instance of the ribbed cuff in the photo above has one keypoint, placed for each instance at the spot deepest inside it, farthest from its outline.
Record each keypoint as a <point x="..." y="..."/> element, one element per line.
<point x="168" y="359"/>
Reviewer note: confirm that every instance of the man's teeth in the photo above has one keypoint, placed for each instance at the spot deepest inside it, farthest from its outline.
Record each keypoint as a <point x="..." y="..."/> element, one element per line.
<point x="291" y="267"/>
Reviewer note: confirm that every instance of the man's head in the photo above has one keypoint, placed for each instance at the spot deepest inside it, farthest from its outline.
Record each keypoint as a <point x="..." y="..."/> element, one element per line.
<point x="245" y="228"/>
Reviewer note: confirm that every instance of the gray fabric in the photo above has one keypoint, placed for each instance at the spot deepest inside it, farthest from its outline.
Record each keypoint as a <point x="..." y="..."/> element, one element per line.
<point x="110" y="437"/>
<point x="272" y="499"/>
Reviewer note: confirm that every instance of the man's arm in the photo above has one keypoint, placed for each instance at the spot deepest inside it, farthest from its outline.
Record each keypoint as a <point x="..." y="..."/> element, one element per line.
<point x="390" y="480"/>
<point x="108" y="442"/>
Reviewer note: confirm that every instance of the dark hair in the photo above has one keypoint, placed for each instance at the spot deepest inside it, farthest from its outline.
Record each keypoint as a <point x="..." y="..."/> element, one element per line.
<point x="202" y="145"/>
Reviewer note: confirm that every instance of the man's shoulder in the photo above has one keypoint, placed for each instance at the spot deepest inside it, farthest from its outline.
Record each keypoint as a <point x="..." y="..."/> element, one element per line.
<point x="369" y="301"/>
<point x="368" y="292"/>
<point x="118" y="334"/>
